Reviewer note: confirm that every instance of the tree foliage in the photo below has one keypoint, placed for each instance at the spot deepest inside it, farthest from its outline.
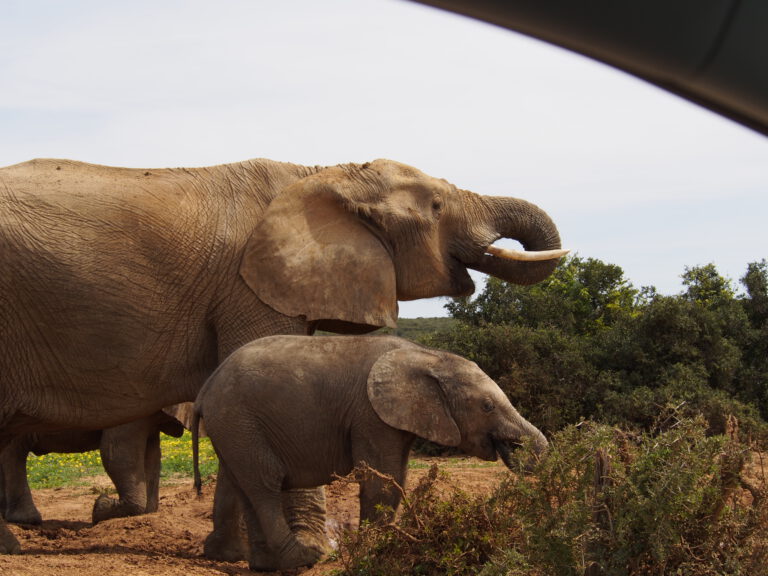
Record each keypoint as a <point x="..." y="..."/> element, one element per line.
<point x="755" y="281"/>
<point x="581" y="296"/>
<point x="586" y="344"/>
<point x="705" y="286"/>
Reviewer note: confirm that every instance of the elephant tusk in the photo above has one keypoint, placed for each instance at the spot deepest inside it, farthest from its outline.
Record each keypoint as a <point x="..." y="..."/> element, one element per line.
<point x="526" y="256"/>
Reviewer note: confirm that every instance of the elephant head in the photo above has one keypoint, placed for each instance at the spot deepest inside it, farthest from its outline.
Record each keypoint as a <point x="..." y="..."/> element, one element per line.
<point x="341" y="246"/>
<point x="448" y="400"/>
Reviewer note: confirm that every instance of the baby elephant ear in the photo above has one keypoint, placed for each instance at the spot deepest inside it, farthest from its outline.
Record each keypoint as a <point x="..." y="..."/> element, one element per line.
<point x="406" y="396"/>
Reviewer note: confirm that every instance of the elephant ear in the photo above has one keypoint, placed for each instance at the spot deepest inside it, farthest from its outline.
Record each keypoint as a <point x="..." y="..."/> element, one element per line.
<point x="312" y="255"/>
<point x="406" y="395"/>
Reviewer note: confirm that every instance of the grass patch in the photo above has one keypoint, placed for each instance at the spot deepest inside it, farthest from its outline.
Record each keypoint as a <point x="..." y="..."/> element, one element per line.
<point x="177" y="456"/>
<point x="55" y="470"/>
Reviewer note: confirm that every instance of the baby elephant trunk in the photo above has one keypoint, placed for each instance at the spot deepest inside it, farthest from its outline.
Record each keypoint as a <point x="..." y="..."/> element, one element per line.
<point x="531" y="438"/>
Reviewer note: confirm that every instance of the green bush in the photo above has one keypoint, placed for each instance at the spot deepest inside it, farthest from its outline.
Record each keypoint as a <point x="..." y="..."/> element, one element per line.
<point x="435" y="535"/>
<point x="600" y="502"/>
<point x="606" y="503"/>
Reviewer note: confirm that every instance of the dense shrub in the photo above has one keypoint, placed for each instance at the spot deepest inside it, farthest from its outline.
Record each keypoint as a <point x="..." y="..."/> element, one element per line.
<point x="441" y="530"/>
<point x="586" y="344"/>
<point x="601" y="501"/>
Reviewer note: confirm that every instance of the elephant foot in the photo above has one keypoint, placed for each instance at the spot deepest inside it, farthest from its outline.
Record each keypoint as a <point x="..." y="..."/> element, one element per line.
<point x="306" y="515"/>
<point x="24" y="516"/>
<point x="22" y="511"/>
<point x="261" y="559"/>
<point x="314" y="540"/>
<point x="106" y="508"/>
<point x="301" y="556"/>
<point x="219" y="547"/>
<point x="298" y="555"/>
<point x="315" y="544"/>
<point x="8" y="542"/>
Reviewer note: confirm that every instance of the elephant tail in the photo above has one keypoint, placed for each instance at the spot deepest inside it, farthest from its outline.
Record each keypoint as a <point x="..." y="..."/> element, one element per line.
<point x="195" y="429"/>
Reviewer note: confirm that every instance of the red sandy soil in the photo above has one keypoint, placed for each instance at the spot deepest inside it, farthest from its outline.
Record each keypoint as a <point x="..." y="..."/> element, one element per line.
<point x="169" y="542"/>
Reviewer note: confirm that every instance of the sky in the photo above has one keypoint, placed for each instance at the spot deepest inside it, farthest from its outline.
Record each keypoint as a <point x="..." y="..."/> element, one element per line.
<point x="632" y="175"/>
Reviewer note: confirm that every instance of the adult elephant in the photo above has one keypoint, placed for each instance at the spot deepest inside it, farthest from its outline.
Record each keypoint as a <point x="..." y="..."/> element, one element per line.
<point x="122" y="289"/>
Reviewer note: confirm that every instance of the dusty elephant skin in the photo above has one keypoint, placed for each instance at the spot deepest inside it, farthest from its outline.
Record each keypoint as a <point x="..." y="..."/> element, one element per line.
<point x="123" y="289"/>
<point x="136" y="476"/>
<point x="289" y="412"/>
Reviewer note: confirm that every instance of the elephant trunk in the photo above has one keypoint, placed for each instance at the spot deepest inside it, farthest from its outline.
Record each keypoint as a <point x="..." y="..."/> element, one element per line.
<point x="528" y="224"/>
<point x="537" y="443"/>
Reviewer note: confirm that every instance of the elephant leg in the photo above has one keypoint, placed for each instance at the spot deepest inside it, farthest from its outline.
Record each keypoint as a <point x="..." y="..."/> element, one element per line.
<point x="167" y="424"/>
<point x="152" y="465"/>
<point x="19" y="507"/>
<point x="123" y="452"/>
<point x="253" y="485"/>
<point x="2" y="490"/>
<point x="274" y="545"/>
<point x="304" y="509"/>
<point x="379" y="499"/>
<point x="228" y="540"/>
<point x="378" y="502"/>
<point x="8" y="542"/>
<point x="259" y="555"/>
<point x="306" y="514"/>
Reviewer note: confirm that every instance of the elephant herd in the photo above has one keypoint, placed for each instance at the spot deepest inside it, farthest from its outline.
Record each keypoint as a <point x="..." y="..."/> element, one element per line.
<point x="127" y="292"/>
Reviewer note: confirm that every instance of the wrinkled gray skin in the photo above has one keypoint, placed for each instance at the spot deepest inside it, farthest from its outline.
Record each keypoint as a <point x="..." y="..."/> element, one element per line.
<point x="123" y="289"/>
<point x="289" y="412"/>
<point x="136" y="476"/>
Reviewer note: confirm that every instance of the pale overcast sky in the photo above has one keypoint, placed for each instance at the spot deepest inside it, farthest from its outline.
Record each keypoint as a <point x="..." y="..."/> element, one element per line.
<point x="632" y="175"/>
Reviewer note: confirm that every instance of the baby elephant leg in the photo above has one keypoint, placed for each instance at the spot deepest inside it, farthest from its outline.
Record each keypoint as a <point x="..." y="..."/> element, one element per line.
<point x="303" y="509"/>
<point x="380" y="497"/>
<point x="306" y="514"/>
<point x="227" y="541"/>
<point x="273" y="544"/>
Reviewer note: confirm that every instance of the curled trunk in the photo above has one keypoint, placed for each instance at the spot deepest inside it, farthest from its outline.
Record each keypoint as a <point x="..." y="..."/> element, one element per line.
<point x="528" y="224"/>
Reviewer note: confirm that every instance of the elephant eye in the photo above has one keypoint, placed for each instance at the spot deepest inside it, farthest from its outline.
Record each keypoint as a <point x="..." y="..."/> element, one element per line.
<point x="488" y="406"/>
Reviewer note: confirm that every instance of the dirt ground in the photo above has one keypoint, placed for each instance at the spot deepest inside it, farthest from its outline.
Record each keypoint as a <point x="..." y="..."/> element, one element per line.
<point x="169" y="542"/>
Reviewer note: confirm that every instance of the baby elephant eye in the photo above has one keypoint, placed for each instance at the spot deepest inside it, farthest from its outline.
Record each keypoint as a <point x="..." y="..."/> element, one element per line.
<point x="488" y="406"/>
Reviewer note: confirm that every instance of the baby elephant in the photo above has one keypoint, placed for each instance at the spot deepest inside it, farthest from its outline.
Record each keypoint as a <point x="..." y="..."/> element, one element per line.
<point x="288" y="412"/>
